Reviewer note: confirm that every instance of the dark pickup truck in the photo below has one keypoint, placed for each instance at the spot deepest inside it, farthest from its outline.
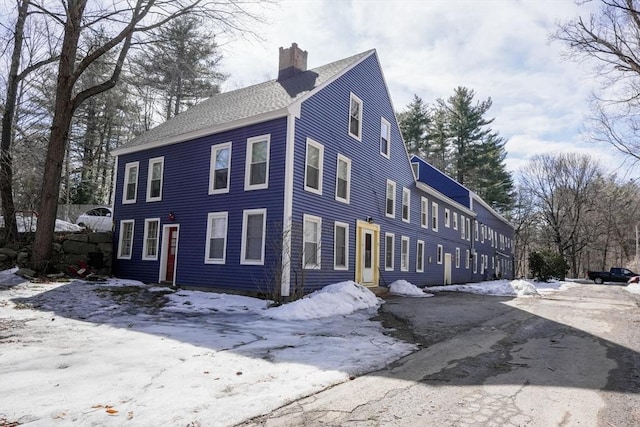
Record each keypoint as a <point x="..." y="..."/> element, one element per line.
<point x="616" y="274"/>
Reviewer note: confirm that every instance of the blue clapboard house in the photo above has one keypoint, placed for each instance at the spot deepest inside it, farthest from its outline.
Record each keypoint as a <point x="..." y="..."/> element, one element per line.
<point x="294" y="184"/>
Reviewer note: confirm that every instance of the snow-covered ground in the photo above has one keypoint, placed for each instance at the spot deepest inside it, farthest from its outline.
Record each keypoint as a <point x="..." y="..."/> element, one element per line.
<point x="122" y="353"/>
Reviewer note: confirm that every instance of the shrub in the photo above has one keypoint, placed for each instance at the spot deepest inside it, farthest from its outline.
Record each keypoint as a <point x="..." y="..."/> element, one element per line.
<point x="546" y="264"/>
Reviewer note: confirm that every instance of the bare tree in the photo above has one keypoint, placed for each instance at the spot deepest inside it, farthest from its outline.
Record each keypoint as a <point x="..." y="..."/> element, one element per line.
<point x="610" y="42"/>
<point x="119" y="22"/>
<point x="562" y="187"/>
<point x="14" y="80"/>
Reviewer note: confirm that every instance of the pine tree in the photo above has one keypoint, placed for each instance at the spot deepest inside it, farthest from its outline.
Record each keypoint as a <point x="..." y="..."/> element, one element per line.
<point x="181" y="66"/>
<point x="414" y="123"/>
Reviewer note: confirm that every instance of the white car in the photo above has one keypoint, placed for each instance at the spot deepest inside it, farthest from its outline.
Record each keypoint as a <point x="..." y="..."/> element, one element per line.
<point x="97" y="219"/>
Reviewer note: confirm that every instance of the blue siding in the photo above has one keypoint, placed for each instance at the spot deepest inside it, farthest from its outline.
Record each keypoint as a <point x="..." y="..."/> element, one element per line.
<point x="185" y="193"/>
<point x="437" y="180"/>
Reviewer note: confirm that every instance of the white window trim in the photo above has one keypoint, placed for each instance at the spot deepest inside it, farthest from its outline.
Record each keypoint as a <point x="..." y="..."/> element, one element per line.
<point x="476" y="228"/>
<point x="406" y="193"/>
<point x="447" y="217"/>
<point x="468" y="228"/>
<point x="419" y="262"/>
<point x="393" y="251"/>
<point x="424" y="212"/>
<point x="121" y="238"/>
<point x="434" y="216"/>
<point x="457" y="257"/>
<point x="393" y="198"/>
<point x="247" y="164"/>
<point x="466" y="260"/>
<point x="463" y="233"/>
<point x="212" y="168"/>
<point x="455" y="220"/>
<point x="348" y="162"/>
<point x="145" y="246"/>
<point x="346" y="245"/>
<point x="383" y="121"/>
<point x="359" y="101"/>
<point x="320" y="147"/>
<point x="207" y="247"/>
<point x="318" y="221"/>
<point x="149" y="178"/>
<point x="439" y="254"/>
<point x="128" y="166"/>
<point x="404" y="256"/>
<point x="245" y="217"/>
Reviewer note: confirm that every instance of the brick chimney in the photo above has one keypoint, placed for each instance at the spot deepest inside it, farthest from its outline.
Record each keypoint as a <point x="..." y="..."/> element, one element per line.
<point x="293" y="60"/>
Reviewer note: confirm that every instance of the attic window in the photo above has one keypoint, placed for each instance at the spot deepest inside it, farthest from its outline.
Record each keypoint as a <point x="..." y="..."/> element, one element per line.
<point x="355" y="117"/>
<point x="385" y="137"/>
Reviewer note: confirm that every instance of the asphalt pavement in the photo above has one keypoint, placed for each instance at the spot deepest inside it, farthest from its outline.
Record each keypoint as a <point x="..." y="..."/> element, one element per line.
<point x="571" y="358"/>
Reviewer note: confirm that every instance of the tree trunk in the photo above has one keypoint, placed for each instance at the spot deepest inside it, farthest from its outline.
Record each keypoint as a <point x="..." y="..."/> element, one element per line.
<point x="42" y="246"/>
<point x="6" y="162"/>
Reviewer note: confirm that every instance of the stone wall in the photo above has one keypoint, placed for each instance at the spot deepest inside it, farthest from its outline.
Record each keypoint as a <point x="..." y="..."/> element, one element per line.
<point x="73" y="253"/>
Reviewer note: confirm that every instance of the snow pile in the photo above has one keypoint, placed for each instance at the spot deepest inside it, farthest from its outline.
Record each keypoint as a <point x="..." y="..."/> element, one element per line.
<point x="506" y="288"/>
<point x="524" y="288"/>
<point x="404" y="288"/>
<point x="634" y="288"/>
<point x="337" y="299"/>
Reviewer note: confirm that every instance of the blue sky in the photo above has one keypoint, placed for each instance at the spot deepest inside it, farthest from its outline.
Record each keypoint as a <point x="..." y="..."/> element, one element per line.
<point x="498" y="48"/>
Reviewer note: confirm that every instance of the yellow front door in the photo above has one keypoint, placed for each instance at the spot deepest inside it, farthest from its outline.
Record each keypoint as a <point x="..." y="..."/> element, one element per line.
<point x="367" y="253"/>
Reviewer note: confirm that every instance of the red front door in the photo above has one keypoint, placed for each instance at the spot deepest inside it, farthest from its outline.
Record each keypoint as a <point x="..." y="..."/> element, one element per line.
<point x="171" y="253"/>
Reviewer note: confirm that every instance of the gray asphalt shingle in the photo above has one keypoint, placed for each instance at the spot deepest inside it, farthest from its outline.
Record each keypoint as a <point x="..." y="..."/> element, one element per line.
<point x="244" y="103"/>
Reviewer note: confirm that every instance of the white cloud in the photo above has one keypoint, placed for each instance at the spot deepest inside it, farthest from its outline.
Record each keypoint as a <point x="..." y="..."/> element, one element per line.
<point x="500" y="49"/>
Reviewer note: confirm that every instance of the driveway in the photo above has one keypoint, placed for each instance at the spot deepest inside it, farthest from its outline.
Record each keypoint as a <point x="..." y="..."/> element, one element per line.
<point x="568" y="359"/>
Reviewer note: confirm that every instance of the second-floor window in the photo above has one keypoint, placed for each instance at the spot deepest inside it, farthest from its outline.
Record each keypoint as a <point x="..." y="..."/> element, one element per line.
<point x="390" y="208"/>
<point x="434" y="216"/>
<point x="424" y="212"/>
<point x="355" y="117"/>
<point x="154" y="180"/>
<point x="313" y="167"/>
<point x="130" y="189"/>
<point x="406" y="204"/>
<point x="219" y="168"/>
<point x="343" y="179"/>
<point x="257" y="164"/>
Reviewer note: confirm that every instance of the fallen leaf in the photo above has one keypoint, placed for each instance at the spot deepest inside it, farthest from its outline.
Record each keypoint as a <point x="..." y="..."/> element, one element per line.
<point x="111" y="411"/>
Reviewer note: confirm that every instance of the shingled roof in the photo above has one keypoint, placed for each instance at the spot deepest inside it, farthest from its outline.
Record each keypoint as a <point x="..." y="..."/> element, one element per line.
<point x="242" y="104"/>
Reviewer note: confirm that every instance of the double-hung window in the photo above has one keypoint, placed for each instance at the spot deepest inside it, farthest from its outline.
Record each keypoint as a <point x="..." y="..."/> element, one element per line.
<point x="343" y="179"/>
<point x="424" y="212"/>
<point x="257" y="163"/>
<point x="434" y="216"/>
<point x="404" y="253"/>
<point x="154" y="179"/>
<point x="391" y="199"/>
<point x="151" y="238"/>
<point x="313" y="167"/>
<point x="130" y="188"/>
<point x="253" y="234"/>
<point x="341" y="246"/>
<point x="355" y="117"/>
<point x="385" y="137"/>
<point x="447" y="218"/>
<point x="462" y="229"/>
<point x="455" y="220"/>
<point x="468" y="228"/>
<point x="220" y="168"/>
<point x="312" y="238"/>
<point x="406" y="204"/>
<point x="457" y="257"/>
<point x="389" y="242"/>
<point x="125" y="241"/>
<point x="420" y="256"/>
<point x="216" y="246"/>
